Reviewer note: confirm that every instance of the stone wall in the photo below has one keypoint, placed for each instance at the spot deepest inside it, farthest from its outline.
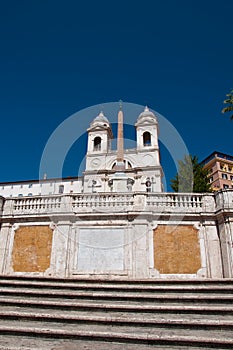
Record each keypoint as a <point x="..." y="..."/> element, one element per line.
<point x="137" y="235"/>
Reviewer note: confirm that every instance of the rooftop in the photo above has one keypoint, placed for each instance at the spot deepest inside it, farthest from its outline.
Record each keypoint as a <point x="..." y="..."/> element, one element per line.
<point x="216" y="154"/>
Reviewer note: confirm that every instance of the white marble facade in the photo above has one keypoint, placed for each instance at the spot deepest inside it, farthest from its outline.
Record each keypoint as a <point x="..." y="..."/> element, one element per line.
<point x="99" y="230"/>
<point x="113" y="235"/>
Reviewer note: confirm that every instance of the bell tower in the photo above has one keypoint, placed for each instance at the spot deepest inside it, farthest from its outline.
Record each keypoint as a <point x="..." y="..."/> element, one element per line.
<point x="99" y="135"/>
<point x="99" y="142"/>
<point x="148" y="150"/>
<point x="147" y="130"/>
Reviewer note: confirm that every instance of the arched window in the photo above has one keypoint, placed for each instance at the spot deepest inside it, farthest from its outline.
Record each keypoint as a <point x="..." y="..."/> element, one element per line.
<point x="128" y="165"/>
<point x="97" y="143"/>
<point x="146" y="139"/>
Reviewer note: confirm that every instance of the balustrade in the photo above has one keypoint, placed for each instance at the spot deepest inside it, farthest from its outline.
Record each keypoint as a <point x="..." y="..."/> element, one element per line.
<point x="36" y="204"/>
<point x="78" y="203"/>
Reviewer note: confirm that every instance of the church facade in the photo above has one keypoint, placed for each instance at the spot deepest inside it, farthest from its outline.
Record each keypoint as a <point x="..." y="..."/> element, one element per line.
<point x="115" y="221"/>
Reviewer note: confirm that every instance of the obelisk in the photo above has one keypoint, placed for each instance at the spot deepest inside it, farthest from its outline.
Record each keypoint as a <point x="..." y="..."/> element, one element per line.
<point x="119" y="180"/>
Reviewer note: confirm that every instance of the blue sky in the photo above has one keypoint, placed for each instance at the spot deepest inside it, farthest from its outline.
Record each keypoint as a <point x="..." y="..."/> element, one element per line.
<point x="58" y="57"/>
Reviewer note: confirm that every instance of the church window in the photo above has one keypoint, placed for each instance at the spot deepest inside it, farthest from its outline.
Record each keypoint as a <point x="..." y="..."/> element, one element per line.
<point x="61" y="189"/>
<point x="128" y="165"/>
<point x="97" y="143"/>
<point x="146" y="139"/>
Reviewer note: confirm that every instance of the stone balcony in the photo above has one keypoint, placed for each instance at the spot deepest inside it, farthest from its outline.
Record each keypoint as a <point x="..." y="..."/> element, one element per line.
<point x="78" y="204"/>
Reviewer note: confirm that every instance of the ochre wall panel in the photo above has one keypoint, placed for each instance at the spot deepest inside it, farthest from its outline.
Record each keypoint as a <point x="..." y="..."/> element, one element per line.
<point x="32" y="249"/>
<point x="176" y="249"/>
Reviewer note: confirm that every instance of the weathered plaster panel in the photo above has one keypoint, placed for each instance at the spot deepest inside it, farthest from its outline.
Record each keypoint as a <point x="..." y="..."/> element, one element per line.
<point x="176" y="249"/>
<point x="32" y="249"/>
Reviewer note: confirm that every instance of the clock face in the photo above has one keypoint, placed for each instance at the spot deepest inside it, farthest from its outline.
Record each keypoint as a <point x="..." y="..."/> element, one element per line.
<point x="148" y="160"/>
<point x="95" y="162"/>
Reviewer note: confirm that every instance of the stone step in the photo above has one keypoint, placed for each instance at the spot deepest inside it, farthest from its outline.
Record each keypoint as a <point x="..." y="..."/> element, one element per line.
<point x="129" y="306"/>
<point x="119" y="295"/>
<point x="160" y="314"/>
<point x="144" y="335"/>
<point x="35" y="343"/>
<point x="154" y="287"/>
<point x="133" y="320"/>
<point x="113" y="314"/>
<point x="118" y="281"/>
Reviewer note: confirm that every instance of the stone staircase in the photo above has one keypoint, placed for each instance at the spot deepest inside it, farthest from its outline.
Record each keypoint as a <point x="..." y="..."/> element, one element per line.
<point x="52" y="313"/>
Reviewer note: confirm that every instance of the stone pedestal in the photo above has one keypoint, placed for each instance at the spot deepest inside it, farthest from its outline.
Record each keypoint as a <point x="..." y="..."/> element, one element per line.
<point x="121" y="183"/>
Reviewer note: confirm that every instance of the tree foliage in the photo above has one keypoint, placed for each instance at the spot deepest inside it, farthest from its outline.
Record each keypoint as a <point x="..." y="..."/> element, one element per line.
<point x="191" y="176"/>
<point x="229" y="102"/>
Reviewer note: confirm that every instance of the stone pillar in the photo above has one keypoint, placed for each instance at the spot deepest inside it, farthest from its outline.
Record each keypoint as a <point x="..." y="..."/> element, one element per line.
<point x="60" y="250"/>
<point x="213" y="251"/>
<point x="226" y="239"/>
<point x="5" y="236"/>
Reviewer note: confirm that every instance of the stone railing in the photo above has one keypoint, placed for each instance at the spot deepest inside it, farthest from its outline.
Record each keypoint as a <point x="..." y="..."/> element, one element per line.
<point x="175" y="200"/>
<point x="33" y="205"/>
<point x="224" y="200"/>
<point x="102" y="201"/>
<point x="119" y="202"/>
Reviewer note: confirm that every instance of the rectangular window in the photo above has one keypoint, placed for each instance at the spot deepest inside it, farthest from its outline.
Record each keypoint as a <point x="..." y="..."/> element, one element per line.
<point x="225" y="186"/>
<point x="211" y="179"/>
<point x="224" y="176"/>
<point x="231" y="176"/>
<point x="61" y="189"/>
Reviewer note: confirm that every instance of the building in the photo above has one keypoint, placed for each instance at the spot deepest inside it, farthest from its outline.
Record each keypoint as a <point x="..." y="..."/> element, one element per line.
<point x="115" y="220"/>
<point x="141" y="164"/>
<point x="220" y="166"/>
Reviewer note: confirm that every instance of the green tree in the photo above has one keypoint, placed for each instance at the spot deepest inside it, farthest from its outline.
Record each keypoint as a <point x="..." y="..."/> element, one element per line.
<point x="229" y="101"/>
<point x="191" y="176"/>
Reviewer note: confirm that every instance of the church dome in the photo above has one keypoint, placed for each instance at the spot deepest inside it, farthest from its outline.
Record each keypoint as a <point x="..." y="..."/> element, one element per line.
<point x="146" y="115"/>
<point x="100" y="119"/>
